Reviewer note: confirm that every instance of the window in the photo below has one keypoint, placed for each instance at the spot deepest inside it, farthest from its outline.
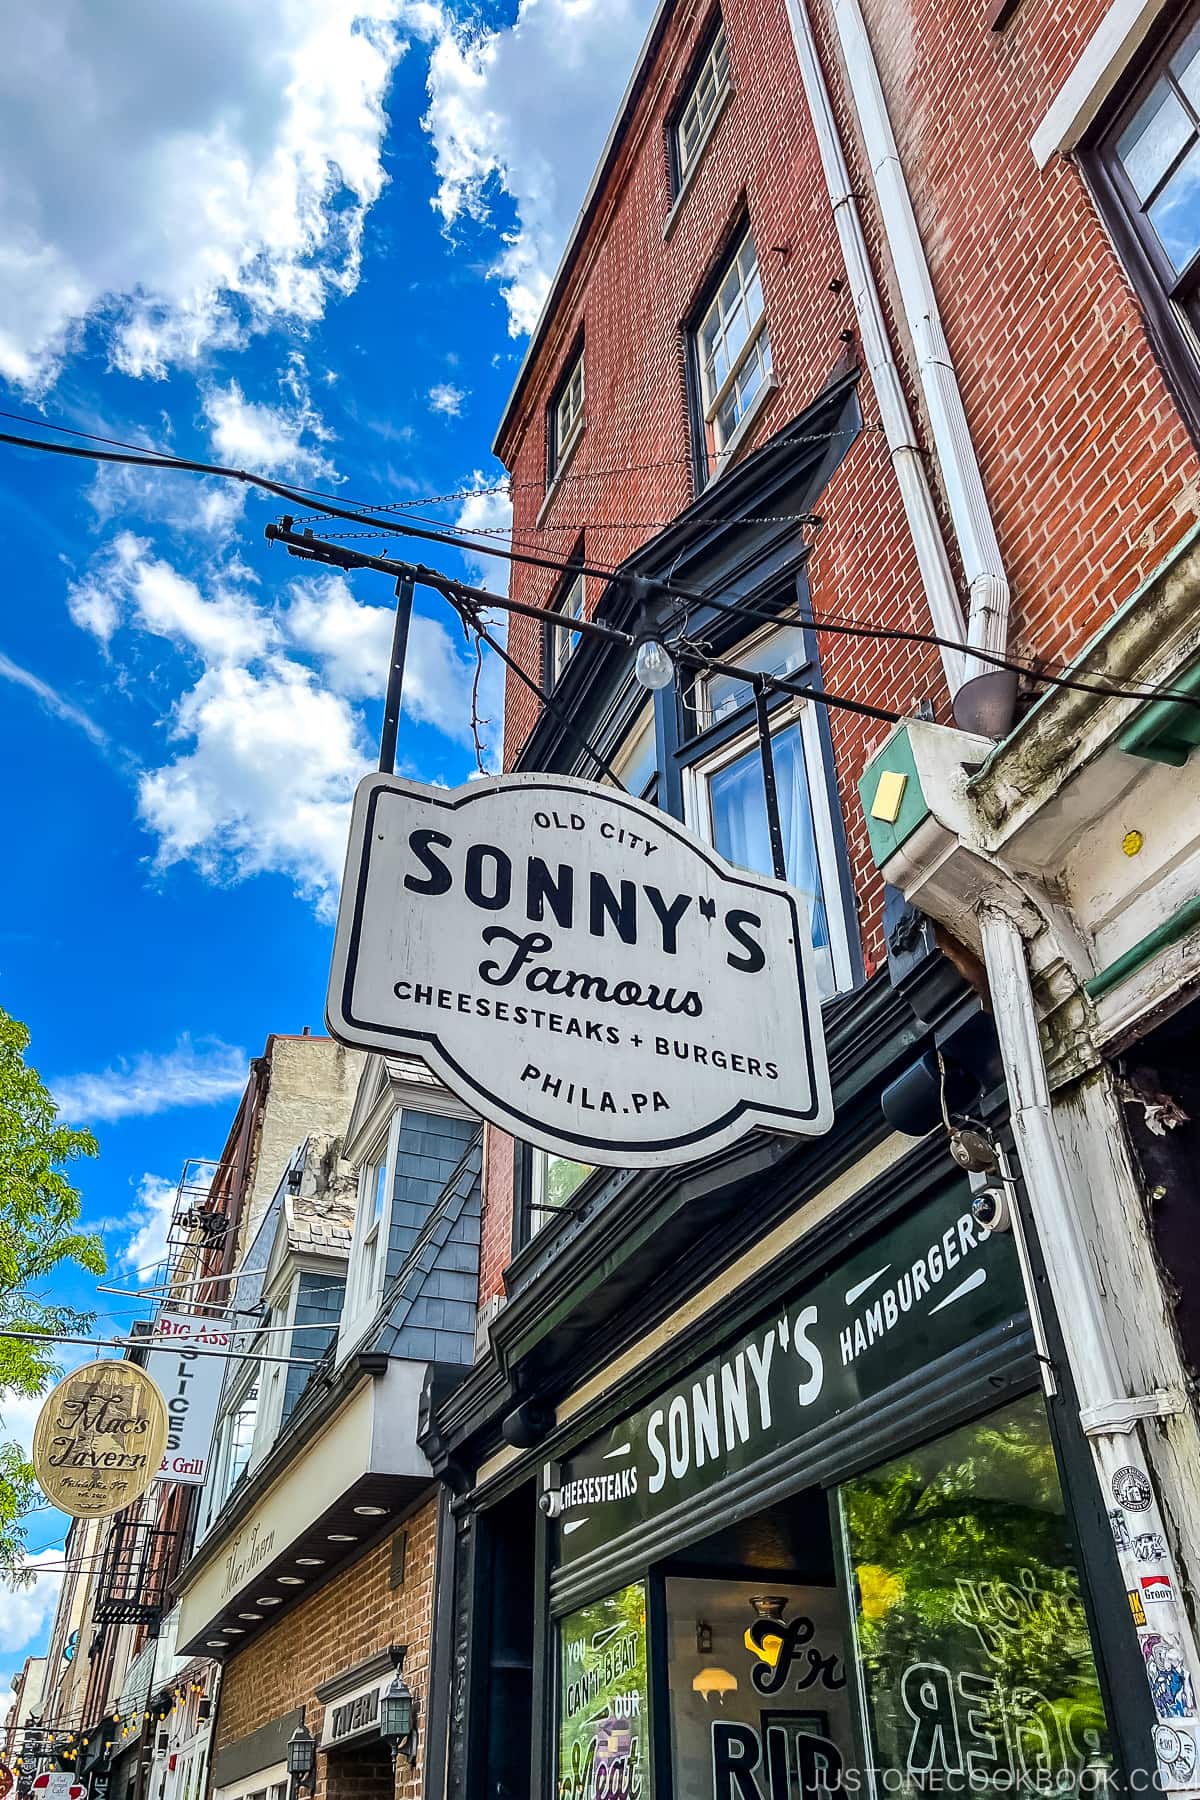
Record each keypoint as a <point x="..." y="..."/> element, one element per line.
<point x="552" y="1181"/>
<point x="636" y="762"/>
<point x="566" y="418"/>
<point x="372" y="1206"/>
<point x="561" y="645"/>
<point x="234" y="1441"/>
<point x="1146" y="168"/>
<point x="702" y="107"/>
<point x="972" y="1640"/>
<point x="726" y="799"/>
<point x="733" y="352"/>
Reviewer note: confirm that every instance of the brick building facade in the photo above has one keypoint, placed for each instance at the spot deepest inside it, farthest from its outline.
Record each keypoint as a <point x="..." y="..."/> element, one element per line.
<point x="386" y="1597"/>
<point x="876" y="315"/>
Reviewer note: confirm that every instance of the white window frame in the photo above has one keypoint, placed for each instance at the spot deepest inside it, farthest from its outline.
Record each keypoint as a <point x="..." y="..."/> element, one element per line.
<point x="710" y="88"/>
<point x="567" y="418"/>
<point x="219" y="1487"/>
<point x="271" y="1783"/>
<point x="757" y="347"/>
<point x="364" y="1290"/>
<point x="563" y="644"/>
<point x="698" y="814"/>
<point x="540" y="1214"/>
<point x="281" y="1316"/>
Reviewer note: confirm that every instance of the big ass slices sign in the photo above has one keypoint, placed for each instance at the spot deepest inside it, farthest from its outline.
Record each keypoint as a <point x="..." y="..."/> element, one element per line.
<point x="578" y="968"/>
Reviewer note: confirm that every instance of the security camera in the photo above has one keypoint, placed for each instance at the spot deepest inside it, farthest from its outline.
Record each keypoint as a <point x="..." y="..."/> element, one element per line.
<point x="550" y="1504"/>
<point x="991" y="1209"/>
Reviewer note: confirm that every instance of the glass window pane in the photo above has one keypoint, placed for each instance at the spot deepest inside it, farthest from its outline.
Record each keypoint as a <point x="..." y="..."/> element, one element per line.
<point x="1175" y="214"/>
<point x="971" y="1633"/>
<point x="1185" y="66"/>
<point x="603" y="1698"/>
<point x="780" y="653"/>
<point x="636" y="762"/>
<point x="1151" y="142"/>
<point x="738" y="810"/>
<point x="378" y="1193"/>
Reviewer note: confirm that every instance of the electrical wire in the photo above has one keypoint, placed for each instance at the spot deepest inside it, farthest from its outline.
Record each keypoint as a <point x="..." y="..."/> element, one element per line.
<point x="530" y="559"/>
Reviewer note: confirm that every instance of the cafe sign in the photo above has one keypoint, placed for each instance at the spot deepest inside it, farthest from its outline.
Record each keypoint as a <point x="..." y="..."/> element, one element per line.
<point x="578" y="968"/>
<point x="99" y="1439"/>
<point x="926" y="1286"/>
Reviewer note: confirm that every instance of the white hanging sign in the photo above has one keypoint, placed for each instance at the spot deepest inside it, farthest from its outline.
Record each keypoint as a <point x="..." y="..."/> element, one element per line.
<point x="577" y="967"/>
<point x="191" y="1386"/>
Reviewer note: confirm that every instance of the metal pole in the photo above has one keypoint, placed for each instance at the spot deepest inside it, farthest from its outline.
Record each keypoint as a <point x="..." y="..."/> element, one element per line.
<point x="770" y="791"/>
<point x="395" y="680"/>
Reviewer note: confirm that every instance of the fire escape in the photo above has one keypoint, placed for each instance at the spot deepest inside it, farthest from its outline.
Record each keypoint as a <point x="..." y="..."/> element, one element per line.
<point x="135" y="1573"/>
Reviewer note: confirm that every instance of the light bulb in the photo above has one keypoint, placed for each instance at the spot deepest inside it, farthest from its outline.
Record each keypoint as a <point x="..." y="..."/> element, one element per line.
<point x="652" y="665"/>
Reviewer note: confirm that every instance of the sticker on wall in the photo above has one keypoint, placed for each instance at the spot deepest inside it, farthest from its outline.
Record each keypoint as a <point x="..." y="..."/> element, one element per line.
<point x="1131" y="1489"/>
<point x="1136" y="1607"/>
<point x="1170" y="1681"/>
<point x="1176" y="1751"/>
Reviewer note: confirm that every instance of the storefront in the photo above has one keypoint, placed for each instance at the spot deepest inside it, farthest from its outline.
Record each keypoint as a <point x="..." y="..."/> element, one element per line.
<point x="825" y="1529"/>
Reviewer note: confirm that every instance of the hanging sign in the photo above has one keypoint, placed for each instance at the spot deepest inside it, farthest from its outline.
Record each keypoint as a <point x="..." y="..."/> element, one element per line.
<point x="578" y="968"/>
<point x="59" y="1784"/>
<point x="189" y="1371"/>
<point x="7" y="1778"/>
<point x="925" y="1286"/>
<point x="99" y="1440"/>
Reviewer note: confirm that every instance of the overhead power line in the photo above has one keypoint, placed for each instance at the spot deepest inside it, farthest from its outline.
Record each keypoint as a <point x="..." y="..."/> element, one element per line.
<point x="300" y="496"/>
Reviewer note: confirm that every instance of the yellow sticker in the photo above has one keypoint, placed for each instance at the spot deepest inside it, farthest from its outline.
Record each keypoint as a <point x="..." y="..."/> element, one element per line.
<point x="888" y="796"/>
<point x="1135" y="1606"/>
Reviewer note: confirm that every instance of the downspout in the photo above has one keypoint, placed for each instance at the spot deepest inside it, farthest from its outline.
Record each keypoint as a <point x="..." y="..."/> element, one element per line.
<point x="1112" y="1420"/>
<point x="916" y="497"/>
<point x="987" y="698"/>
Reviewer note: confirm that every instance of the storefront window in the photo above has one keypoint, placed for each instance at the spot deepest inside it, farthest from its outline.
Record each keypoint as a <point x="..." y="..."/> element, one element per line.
<point x="603" y="1729"/>
<point x="973" y="1645"/>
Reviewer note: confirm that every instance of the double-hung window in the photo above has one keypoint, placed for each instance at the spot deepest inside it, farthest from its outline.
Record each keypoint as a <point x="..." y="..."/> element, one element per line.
<point x="733" y="353"/>
<point x="565" y="424"/>
<point x="702" y="106"/>
<point x="1145" y="166"/>
<point x="372" y="1209"/>
<point x="561" y="644"/>
<point x="726" y="796"/>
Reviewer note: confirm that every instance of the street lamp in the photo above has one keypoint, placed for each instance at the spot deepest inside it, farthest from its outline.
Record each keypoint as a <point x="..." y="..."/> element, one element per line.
<point x="302" y="1760"/>
<point x="398" y="1718"/>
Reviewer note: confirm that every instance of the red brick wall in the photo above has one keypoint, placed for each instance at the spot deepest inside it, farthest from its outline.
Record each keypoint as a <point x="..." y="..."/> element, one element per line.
<point x="1087" y="465"/>
<point x="350" y="1618"/>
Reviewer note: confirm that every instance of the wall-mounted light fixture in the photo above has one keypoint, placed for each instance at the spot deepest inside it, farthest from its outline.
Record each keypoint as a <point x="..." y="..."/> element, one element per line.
<point x="704" y="1637"/>
<point x="398" y="1711"/>
<point x="302" y="1761"/>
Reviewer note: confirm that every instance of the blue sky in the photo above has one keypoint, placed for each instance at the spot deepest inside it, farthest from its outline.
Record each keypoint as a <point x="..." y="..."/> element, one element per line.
<point x="301" y="236"/>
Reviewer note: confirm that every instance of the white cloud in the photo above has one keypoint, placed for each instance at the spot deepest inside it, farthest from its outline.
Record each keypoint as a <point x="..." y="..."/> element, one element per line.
<point x="128" y="584"/>
<point x="25" y="1613"/>
<point x="183" y="503"/>
<point x="52" y="700"/>
<point x="151" y="1218"/>
<point x="525" y="110"/>
<point x="266" y="784"/>
<point x="488" y="512"/>
<point x="181" y="177"/>
<point x="267" y="440"/>
<point x="192" y="1074"/>
<point x="353" y="644"/>
<point x="445" y="398"/>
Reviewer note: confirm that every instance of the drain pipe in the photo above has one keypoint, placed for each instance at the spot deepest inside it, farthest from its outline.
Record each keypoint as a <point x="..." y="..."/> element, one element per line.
<point x="1112" y="1419"/>
<point x="937" y="577"/>
<point x="986" y="701"/>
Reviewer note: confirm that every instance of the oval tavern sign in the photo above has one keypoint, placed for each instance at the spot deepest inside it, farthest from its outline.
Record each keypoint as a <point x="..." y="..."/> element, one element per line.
<point x="99" y="1439"/>
<point x="578" y="968"/>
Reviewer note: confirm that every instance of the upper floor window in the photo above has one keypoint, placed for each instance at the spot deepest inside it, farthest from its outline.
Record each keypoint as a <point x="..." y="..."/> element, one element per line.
<point x="566" y="417"/>
<point x="1145" y="166"/>
<point x="702" y="106"/>
<point x="635" y="763"/>
<point x="733" y="353"/>
<point x="726" y="799"/>
<point x="561" y="645"/>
